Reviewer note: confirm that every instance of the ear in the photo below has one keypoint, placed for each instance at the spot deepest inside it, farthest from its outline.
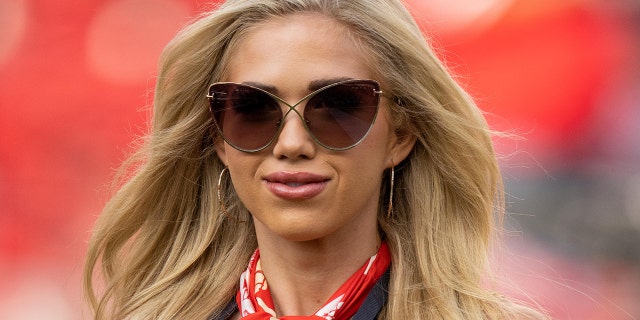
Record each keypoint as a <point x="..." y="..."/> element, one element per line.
<point x="403" y="144"/>
<point x="221" y="151"/>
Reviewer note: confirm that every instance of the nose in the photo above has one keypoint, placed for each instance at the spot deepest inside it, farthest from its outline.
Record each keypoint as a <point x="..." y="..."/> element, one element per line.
<point x="294" y="142"/>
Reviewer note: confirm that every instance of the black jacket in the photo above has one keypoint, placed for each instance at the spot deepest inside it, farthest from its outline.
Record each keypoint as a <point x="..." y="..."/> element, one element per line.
<point x="369" y="310"/>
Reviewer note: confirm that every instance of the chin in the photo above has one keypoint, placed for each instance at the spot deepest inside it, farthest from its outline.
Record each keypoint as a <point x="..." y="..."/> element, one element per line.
<point x="297" y="231"/>
<point x="297" y="234"/>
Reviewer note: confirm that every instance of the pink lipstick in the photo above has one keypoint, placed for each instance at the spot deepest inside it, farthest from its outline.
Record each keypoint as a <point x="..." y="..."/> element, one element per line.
<point x="295" y="185"/>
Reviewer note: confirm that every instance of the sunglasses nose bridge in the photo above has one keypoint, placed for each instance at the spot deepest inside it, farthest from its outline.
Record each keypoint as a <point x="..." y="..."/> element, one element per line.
<point x="293" y="135"/>
<point x="292" y="108"/>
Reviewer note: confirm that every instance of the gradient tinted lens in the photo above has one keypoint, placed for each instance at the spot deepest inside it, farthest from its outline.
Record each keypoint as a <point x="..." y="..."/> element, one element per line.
<point x="340" y="116"/>
<point x="247" y="118"/>
<point x="337" y="116"/>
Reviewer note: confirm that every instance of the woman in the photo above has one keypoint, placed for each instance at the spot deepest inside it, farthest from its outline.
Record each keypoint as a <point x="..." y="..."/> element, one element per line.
<point x="306" y="157"/>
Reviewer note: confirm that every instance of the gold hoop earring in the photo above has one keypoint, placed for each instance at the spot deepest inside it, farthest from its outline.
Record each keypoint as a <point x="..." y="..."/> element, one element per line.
<point x="392" y="178"/>
<point x="223" y="208"/>
<point x="220" y="200"/>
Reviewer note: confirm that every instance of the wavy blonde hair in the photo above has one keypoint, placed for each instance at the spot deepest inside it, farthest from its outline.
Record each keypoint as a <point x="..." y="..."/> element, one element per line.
<point x="164" y="250"/>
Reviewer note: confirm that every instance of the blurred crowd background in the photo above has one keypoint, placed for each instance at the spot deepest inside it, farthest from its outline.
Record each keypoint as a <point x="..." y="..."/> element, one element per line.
<point x="561" y="79"/>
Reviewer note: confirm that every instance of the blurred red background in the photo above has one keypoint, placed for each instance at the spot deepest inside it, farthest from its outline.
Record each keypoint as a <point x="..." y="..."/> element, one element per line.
<point x="76" y="89"/>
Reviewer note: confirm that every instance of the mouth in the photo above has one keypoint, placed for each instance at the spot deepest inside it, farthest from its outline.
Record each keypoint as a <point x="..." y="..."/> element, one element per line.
<point x="295" y="185"/>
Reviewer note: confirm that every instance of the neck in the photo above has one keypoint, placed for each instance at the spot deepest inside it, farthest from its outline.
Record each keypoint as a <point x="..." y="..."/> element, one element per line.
<point x="303" y="275"/>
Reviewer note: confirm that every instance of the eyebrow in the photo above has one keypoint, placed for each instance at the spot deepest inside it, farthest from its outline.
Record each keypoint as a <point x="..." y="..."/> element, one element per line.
<point x="313" y="85"/>
<point x="269" y="88"/>
<point x="317" y="84"/>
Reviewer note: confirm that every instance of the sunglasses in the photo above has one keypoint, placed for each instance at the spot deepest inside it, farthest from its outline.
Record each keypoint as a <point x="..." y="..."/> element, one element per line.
<point x="337" y="116"/>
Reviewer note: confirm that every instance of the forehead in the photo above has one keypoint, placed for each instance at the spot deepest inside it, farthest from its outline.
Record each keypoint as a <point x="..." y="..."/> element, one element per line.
<point x="305" y="46"/>
<point x="292" y="26"/>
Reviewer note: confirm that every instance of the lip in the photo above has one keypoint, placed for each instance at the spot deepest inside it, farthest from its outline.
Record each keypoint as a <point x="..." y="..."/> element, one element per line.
<point x="295" y="185"/>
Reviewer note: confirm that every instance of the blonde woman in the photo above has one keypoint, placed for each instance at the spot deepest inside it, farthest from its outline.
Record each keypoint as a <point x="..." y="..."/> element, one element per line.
<point x="308" y="159"/>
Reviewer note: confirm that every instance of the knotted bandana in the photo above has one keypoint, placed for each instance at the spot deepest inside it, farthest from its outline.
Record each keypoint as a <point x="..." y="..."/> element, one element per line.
<point x="255" y="303"/>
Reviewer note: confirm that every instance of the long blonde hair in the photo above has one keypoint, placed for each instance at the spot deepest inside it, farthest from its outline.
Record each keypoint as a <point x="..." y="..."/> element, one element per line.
<point x="165" y="250"/>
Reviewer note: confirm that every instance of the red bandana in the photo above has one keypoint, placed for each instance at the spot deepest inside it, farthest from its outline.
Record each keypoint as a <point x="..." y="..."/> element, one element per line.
<point x="257" y="304"/>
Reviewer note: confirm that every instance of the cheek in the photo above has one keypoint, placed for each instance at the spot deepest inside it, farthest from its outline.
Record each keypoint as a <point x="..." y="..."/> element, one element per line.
<point x="378" y="144"/>
<point x="242" y="169"/>
<point x="365" y="164"/>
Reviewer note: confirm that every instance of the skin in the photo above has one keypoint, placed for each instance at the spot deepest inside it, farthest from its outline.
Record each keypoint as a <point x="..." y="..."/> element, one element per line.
<point x="318" y="241"/>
